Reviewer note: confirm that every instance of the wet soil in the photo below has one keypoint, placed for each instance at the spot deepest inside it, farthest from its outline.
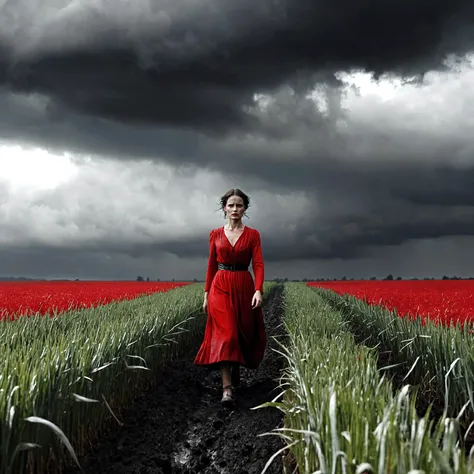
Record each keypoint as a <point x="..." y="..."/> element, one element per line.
<point x="179" y="426"/>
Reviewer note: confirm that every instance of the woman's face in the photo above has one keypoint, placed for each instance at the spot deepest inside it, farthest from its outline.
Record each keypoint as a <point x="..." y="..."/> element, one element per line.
<point x="235" y="208"/>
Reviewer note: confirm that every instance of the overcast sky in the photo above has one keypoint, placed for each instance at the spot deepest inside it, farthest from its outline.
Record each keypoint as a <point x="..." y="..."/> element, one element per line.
<point x="349" y="123"/>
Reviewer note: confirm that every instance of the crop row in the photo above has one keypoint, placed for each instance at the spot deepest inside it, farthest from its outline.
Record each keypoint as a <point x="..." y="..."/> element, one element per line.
<point x="437" y="359"/>
<point x="341" y="414"/>
<point x="63" y="378"/>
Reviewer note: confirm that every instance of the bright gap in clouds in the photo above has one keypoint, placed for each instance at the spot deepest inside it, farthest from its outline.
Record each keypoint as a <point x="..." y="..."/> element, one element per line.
<point x="360" y="84"/>
<point x="34" y="168"/>
<point x="384" y="89"/>
<point x="392" y="87"/>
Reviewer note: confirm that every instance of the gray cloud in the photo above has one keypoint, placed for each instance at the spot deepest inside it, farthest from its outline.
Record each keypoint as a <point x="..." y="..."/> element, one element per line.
<point x="148" y="210"/>
<point x="176" y="102"/>
<point x="411" y="259"/>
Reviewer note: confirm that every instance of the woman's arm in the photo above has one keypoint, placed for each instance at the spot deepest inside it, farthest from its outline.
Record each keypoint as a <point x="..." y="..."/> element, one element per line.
<point x="257" y="263"/>
<point x="211" y="264"/>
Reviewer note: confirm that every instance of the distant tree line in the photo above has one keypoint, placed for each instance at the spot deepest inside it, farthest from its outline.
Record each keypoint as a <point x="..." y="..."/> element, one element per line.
<point x="280" y="280"/>
<point x="344" y="278"/>
<point x="388" y="277"/>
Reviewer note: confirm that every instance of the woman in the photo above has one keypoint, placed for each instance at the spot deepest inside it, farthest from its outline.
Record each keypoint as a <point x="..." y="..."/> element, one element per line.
<point x="235" y="333"/>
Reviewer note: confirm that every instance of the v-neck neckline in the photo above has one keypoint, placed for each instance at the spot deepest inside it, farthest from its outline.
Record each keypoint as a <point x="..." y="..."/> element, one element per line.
<point x="237" y="241"/>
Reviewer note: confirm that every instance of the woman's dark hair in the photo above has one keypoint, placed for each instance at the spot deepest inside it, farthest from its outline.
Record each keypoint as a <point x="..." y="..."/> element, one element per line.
<point x="234" y="192"/>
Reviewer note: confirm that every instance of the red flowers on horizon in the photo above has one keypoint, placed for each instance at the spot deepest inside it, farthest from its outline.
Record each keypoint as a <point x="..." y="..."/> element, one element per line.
<point x="27" y="298"/>
<point x="444" y="301"/>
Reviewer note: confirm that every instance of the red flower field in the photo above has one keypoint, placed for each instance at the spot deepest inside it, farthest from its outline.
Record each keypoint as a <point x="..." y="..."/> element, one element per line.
<point x="26" y="298"/>
<point x="445" y="301"/>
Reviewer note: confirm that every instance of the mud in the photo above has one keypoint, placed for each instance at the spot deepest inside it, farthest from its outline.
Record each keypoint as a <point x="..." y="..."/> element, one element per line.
<point x="179" y="426"/>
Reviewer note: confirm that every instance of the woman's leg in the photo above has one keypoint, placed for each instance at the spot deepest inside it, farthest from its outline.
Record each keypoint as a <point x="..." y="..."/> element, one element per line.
<point x="227" y="395"/>
<point x="226" y="374"/>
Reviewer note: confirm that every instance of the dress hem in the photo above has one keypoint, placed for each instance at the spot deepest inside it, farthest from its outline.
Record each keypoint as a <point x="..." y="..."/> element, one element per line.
<point x="216" y="365"/>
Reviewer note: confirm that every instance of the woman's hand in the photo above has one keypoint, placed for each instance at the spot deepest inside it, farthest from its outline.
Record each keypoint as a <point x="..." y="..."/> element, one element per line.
<point x="257" y="299"/>
<point x="204" y="306"/>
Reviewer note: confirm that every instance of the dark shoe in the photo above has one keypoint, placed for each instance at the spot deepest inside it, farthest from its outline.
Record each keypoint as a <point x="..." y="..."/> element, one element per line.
<point x="236" y="376"/>
<point x="228" y="396"/>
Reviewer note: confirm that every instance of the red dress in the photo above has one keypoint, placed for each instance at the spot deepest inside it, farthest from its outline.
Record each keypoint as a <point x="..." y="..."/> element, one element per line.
<point x="234" y="332"/>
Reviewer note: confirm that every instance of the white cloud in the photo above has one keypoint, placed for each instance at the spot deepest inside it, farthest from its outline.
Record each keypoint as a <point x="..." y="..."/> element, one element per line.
<point x="431" y="122"/>
<point x="34" y="169"/>
<point x="79" y="202"/>
<point x="381" y="122"/>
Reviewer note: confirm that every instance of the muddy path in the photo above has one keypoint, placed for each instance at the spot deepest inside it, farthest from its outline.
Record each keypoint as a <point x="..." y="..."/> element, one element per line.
<point x="179" y="426"/>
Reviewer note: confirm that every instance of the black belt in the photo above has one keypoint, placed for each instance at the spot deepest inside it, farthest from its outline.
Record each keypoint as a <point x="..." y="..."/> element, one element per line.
<point x="238" y="267"/>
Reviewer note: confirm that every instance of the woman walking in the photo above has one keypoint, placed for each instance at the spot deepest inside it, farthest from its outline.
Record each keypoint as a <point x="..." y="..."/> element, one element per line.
<point x="235" y="333"/>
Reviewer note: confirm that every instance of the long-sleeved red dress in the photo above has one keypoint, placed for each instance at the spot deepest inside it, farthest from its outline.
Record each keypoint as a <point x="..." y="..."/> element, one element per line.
<point x="234" y="331"/>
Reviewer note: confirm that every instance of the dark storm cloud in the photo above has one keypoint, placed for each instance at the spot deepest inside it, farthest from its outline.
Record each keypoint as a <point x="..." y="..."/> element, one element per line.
<point x="344" y="230"/>
<point x="175" y="82"/>
<point x="443" y="186"/>
<point x="199" y="64"/>
<point x="454" y="257"/>
<point x="39" y="261"/>
<point x="355" y="238"/>
<point x="351" y="208"/>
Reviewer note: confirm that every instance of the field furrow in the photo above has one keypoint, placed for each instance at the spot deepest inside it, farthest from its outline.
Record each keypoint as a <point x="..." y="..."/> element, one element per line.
<point x="76" y="369"/>
<point x="341" y="414"/>
<point x="179" y="427"/>
<point x="355" y="379"/>
<point x="438" y="360"/>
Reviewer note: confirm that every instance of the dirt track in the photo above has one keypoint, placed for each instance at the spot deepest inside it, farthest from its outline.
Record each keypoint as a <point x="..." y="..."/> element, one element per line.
<point x="179" y="426"/>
